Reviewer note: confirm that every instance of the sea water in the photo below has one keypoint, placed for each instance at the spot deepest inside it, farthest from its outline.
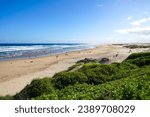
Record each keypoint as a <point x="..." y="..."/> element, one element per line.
<point x="11" y="51"/>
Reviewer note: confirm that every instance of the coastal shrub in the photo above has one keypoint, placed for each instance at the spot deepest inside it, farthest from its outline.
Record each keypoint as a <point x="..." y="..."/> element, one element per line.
<point x="7" y="97"/>
<point x="123" y="70"/>
<point x="141" y="72"/>
<point x="51" y="96"/>
<point x="98" y="73"/>
<point x="140" y="62"/>
<point x="37" y="88"/>
<point x="138" y="55"/>
<point x="63" y="79"/>
<point x="125" y="66"/>
<point x="97" y="67"/>
<point x="76" y="92"/>
<point x="96" y="77"/>
<point x="130" y="82"/>
<point x="90" y="92"/>
<point x="107" y="69"/>
<point x="93" y="78"/>
<point x="136" y="46"/>
<point x="75" y="67"/>
<point x="88" y="66"/>
<point x="122" y="89"/>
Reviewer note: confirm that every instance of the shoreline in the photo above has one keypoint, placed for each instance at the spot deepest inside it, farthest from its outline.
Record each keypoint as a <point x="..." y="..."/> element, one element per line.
<point x="46" y="50"/>
<point x="42" y="56"/>
<point x="16" y="74"/>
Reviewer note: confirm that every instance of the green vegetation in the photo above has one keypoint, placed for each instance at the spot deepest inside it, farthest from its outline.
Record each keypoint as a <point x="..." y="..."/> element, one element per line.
<point x="7" y="97"/>
<point x="37" y="88"/>
<point x="129" y="80"/>
<point x="139" y="59"/>
<point x="137" y="46"/>
<point x="64" y="79"/>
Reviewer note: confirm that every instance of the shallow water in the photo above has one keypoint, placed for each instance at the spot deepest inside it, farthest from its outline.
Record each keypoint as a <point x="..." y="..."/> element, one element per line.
<point x="30" y="50"/>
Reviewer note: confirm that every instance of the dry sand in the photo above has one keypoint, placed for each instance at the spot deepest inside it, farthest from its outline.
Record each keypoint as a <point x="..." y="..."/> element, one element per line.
<point x="16" y="74"/>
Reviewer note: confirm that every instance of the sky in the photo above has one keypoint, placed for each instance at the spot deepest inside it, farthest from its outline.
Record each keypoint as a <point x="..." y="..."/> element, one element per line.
<point x="74" y="21"/>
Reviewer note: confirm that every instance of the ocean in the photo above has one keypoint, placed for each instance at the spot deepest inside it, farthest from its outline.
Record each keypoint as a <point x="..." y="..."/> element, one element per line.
<point x="13" y="51"/>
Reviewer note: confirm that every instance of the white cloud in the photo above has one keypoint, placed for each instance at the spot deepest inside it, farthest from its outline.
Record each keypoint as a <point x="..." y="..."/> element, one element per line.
<point x="140" y="22"/>
<point x="136" y="30"/>
<point x="129" y="18"/>
<point x="139" y="30"/>
<point x="100" y="5"/>
<point x="137" y="27"/>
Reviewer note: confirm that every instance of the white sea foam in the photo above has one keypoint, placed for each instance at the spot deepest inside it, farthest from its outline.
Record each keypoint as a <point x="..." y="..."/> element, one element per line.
<point x="19" y="48"/>
<point x="23" y="51"/>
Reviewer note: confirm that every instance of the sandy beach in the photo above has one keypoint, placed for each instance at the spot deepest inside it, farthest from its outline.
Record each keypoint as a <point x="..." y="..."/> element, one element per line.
<point x="16" y="74"/>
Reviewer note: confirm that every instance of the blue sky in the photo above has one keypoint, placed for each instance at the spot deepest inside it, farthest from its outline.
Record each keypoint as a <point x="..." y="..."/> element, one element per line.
<point x="92" y="21"/>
